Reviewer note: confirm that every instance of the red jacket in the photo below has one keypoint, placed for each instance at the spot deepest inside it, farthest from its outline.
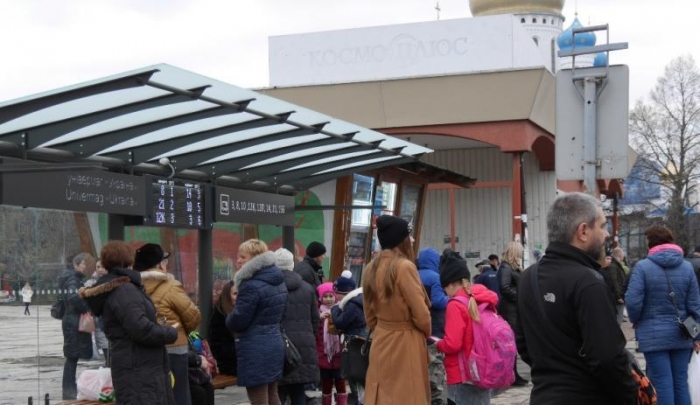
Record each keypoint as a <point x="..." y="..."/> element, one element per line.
<point x="459" y="333"/>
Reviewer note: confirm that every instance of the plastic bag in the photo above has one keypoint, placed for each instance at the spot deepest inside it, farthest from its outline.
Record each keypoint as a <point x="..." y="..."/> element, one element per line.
<point x="86" y="323"/>
<point x="91" y="383"/>
<point x="694" y="378"/>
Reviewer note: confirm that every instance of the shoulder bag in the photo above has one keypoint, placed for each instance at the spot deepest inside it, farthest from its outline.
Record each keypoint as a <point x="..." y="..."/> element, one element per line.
<point x="354" y="360"/>
<point x="58" y="309"/>
<point x="689" y="327"/>
<point x="292" y="358"/>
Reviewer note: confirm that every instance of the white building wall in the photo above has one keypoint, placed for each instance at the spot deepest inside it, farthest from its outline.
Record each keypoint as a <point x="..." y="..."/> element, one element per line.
<point x="483" y="216"/>
<point x="540" y="192"/>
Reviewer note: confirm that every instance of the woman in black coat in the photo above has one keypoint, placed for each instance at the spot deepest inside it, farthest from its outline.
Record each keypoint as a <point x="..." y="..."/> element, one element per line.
<point x="508" y="280"/>
<point x="76" y="344"/>
<point x="221" y="340"/>
<point x="300" y="323"/>
<point x="140" y="371"/>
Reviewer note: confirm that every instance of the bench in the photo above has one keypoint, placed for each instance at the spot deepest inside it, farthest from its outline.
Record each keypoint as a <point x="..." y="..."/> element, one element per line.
<point x="219" y="382"/>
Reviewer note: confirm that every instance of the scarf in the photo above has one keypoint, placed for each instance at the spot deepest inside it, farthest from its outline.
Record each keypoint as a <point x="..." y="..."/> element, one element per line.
<point x="331" y="342"/>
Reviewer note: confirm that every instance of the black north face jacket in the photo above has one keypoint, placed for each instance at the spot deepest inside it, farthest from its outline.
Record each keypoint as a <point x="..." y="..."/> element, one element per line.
<point x="578" y="353"/>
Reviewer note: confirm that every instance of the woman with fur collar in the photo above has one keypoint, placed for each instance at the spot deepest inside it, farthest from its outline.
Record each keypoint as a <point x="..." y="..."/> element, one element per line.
<point x="173" y="307"/>
<point x="140" y="372"/>
<point x="256" y="318"/>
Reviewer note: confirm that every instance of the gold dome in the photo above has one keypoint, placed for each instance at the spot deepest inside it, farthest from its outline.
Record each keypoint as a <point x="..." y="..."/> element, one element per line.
<point x="491" y="7"/>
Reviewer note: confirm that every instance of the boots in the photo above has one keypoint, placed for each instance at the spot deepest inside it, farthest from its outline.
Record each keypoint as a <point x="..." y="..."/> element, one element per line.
<point x="326" y="399"/>
<point x="341" y="399"/>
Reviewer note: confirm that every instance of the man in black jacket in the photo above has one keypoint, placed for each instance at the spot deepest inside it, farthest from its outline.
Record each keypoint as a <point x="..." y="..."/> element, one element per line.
<point x="310" y="268"/>
<point x="694" y="259"/>
<point x="575" y="348"/>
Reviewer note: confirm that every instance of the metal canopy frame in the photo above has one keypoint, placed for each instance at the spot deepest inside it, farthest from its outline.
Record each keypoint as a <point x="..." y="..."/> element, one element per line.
<point x="208" y="131"/>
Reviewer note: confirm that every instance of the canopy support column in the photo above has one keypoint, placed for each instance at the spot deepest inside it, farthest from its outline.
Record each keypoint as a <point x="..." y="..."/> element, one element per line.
<point x="205" y="271"/>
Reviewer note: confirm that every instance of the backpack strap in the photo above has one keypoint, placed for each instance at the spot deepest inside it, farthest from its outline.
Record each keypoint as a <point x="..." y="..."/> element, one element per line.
<point x="462" y="355"/>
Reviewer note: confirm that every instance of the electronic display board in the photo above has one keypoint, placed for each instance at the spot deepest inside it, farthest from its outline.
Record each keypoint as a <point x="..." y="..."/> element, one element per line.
<point x="79" y="190"/>
<point x="253" y="207"/>
<point x="179" y="203"/>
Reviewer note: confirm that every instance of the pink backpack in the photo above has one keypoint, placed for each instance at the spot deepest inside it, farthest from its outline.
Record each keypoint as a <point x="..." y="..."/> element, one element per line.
<point x="490" y="363"/>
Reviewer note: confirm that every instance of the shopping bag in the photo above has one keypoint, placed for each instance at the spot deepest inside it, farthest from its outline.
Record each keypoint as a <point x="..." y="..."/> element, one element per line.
<point x="92" y="383"/>
<point x="694" y="378"/>
<point x="86" y="323"/>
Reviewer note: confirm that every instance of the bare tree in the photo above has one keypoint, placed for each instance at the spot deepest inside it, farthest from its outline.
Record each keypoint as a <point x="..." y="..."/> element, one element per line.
<point x="666" y="133"/>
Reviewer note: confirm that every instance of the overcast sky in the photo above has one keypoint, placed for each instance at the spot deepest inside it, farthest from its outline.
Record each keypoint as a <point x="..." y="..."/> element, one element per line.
<point x="51" y="44"/>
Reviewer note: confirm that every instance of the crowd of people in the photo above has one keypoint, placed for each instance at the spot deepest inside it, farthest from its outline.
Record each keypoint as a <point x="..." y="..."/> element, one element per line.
<point x="414" y="317"/>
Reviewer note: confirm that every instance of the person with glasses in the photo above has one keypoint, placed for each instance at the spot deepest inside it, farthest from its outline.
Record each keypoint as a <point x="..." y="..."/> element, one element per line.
<point x="174" y="306"/>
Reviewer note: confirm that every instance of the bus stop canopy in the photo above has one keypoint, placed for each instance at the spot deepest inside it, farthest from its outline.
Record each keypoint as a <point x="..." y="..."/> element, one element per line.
<point x="166" y="120"/>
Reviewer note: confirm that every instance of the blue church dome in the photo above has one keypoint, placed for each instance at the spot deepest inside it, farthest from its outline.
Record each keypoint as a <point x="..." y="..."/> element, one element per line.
<point x="566" y="39"/>
<point x="601" y="59"/>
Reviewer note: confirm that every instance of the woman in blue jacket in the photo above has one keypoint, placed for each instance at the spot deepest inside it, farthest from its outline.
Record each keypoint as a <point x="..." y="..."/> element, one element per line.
<point x="256" y="319"/>
<point x="650" y="308"/>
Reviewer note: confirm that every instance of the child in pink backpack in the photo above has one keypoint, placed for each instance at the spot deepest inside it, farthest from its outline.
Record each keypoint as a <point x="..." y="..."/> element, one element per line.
<point x="328" y="349"/>
<point x="454" y="278"/>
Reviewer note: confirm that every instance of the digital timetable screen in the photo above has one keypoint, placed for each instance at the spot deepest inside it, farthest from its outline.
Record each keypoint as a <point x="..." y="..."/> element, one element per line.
<point x="178" y="203"/>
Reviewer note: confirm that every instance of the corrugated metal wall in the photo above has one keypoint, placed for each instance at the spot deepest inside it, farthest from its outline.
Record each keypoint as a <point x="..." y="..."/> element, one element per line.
<point x="540" y="192"/>
<point x="483" y="215"/>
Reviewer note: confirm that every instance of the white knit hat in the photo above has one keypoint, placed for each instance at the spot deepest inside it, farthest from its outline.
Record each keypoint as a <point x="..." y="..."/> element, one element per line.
<point x="284" y="259"/>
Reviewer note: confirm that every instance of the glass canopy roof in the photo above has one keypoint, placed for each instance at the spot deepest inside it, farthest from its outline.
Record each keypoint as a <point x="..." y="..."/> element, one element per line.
<point x="207" y="130"/>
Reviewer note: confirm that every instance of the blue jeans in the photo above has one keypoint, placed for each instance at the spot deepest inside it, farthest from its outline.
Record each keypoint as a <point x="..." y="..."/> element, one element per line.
<point x="668" y="371"/>
<point x="468" y="394"/>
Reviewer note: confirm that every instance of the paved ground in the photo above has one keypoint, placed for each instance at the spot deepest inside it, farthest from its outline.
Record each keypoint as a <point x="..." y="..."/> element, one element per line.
<point x="31" y="361"/>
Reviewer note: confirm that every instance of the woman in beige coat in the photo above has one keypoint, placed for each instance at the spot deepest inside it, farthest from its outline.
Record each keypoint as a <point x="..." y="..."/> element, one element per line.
<point x="398" y="316"/>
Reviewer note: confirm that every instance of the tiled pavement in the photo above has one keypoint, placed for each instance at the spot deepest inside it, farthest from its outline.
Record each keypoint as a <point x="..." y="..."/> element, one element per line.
<point x="31" y="361"/>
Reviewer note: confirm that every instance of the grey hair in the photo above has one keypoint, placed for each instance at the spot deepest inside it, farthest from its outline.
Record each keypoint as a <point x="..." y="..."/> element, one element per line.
<point x="567" y="213"/>
<point x="79" y="258"/>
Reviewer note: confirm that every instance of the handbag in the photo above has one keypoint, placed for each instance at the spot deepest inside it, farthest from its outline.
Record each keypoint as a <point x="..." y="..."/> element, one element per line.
<point x="689" y="327"/>
<point x="86" y="323"/>
<point x="646" y="395"/>
<point x="292" y="358"/>
<point x="354" y="359"/>
<point x="58" y="309"/>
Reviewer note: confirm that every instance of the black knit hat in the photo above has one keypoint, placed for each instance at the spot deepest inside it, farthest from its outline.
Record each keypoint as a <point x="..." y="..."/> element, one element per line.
<point x="391" y="231"/>
<point x="315" y="249"/>
<point x="453" y="268"/>
<point x="148" y="256"/>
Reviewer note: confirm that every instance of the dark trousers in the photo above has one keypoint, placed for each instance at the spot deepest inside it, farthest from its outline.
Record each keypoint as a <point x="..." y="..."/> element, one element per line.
<point x="202" y="394"/>
<point x="181" y="390"/>
<point x="70" y="389"/>
<point x="295" y="392"/>
<point x="26" y="308"/>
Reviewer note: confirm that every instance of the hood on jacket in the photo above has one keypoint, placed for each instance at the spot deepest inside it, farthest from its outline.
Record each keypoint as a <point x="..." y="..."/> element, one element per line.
<point x="96" y="296"/>
<point x="151" y="279"/>
<point x="292" y="280"/>
<point x="351" y="295"/>
<point x="429" y="259"/>
<point x="69" y="273"/>
<point x="666" y="256"/>
<point x="483" y="295"/>
<point x="257" y="264"/>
